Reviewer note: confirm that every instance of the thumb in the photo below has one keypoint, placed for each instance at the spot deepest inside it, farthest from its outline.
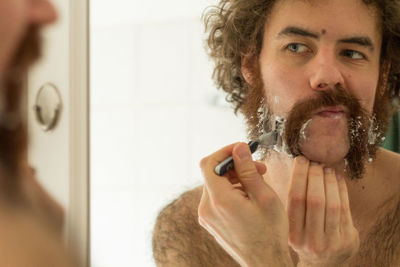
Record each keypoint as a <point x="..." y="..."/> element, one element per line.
<point x="246" y="169"/>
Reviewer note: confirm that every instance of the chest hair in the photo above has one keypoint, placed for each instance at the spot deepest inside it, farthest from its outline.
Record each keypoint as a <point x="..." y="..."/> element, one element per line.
<point x="381" y="245"/>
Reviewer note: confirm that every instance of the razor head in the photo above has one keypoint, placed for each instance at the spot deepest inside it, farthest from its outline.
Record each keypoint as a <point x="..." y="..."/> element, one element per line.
<point x="269" y="140"/>
<point x="272" y="136"/>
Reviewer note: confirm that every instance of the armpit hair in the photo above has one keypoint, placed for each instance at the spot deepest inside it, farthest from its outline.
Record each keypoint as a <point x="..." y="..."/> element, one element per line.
<point x="179" y="240"/>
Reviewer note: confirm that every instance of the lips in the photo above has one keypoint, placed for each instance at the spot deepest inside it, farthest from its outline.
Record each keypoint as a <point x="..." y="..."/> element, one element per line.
<point x="331" y="112"/>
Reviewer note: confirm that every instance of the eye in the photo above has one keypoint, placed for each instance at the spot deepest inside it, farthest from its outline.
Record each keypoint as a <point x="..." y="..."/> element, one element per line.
<point x="353" y="54"/>
<point x="297" y="48"/>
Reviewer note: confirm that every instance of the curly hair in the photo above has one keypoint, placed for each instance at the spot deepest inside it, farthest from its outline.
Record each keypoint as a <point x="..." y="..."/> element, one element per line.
<point x="235" y="29"/>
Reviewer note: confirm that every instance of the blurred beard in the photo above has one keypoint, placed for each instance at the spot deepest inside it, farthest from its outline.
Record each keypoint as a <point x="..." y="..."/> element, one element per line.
<point x="365" y="132"/>
<point x="13" y="137"/>
<point x="27" y="53"/>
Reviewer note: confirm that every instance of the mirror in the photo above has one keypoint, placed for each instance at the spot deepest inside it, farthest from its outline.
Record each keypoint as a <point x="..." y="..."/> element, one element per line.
<point x="155" y="113"/>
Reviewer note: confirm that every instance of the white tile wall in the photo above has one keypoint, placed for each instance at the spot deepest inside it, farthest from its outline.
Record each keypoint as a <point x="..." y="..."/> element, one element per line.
<point x="164" y="74"/>
<point x="114" y="66"/>
<point x="153" y="117"/>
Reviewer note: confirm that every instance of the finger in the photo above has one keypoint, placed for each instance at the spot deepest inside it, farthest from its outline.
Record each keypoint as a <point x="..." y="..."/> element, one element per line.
<point x="346" y="221"/>
<point x="233" y="178"/>
<point x="261" y="167"/>
<point x="203" y="210"/>
<point x="296" y="204"/>
<point x="247" y="173"/>
<point x="332" y="205"/>
<point x="315" y="211"/>
<point x="215" y="183"/>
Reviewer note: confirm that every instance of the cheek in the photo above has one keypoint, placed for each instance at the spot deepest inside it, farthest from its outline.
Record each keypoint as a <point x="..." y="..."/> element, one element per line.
<point x="282" y="87"/>
<point x="366" y="94"/>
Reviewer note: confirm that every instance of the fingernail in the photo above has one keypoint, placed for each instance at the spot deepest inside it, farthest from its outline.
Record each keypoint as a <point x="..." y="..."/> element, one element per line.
<point x="338" y="177"/>
<point x="302" y="159"/>
<point x="313" y="163"/>
<point x="243" y="152"/>
<point x="328" y="170"/>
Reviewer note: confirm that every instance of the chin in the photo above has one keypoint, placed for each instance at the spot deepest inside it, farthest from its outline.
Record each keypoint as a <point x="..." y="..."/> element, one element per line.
<point x="326" y="142"/>
<point x="329" y="153"/>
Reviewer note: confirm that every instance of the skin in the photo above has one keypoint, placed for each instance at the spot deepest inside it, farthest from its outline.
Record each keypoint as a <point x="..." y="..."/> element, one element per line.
<point x="15" y="18"/>
<point x="320" y="201"/>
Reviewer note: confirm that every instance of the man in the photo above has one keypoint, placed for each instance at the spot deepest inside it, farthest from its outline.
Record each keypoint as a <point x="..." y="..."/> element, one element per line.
<point x="322" y="74"/>
<point x="31" y="221"/>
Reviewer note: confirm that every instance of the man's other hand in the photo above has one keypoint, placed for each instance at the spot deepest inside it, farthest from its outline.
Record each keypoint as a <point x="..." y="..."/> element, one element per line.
<point x="321" y="229"/>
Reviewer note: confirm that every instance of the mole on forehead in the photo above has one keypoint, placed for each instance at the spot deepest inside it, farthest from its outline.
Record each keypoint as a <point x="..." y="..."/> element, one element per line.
<point x="323" y="31"/>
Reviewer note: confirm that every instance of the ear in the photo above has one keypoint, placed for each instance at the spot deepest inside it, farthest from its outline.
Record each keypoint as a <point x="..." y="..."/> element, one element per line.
<point x="247" y="68"/>
<point x="384" y="76"/>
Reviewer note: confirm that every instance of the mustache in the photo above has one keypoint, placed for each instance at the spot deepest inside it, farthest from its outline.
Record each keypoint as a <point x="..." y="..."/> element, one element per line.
<point x="304" y="109"/>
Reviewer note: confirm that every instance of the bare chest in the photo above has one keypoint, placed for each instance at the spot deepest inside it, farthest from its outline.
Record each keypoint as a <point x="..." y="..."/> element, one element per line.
<point x="380" y="244"/>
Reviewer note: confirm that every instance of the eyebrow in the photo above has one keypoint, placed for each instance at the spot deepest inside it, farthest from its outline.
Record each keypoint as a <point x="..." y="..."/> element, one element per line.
<point x="293" y="30"/>
<point x="364" y="41"/>
<point x="359" y="40"/>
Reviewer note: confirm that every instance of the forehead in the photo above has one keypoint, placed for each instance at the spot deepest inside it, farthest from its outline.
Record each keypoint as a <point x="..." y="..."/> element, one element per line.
<point x="334" y="18"/>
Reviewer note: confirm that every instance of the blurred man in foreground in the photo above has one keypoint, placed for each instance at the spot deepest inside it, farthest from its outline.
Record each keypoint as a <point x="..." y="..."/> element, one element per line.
<point x="31" y="221"/>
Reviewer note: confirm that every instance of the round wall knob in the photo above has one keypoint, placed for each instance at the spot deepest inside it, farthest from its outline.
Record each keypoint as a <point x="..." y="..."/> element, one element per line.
<point x="48" y="106"/>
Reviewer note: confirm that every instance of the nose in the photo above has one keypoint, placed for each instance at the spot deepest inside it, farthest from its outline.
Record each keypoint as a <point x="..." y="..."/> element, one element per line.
<point x="326" y="73"/>
<point x="42" y="12"/>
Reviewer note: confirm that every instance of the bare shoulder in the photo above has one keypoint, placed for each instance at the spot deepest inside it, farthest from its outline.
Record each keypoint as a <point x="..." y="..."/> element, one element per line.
<point x="25" y="241"/>
<point x="179" y="240"/>
<point x="389" y="165"/>
<point x="382" y="244"/>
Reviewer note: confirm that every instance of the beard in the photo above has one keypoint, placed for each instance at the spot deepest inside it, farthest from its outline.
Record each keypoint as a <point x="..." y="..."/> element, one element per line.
<point x="365" y="132"/>
<point x="13" y="136"/>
